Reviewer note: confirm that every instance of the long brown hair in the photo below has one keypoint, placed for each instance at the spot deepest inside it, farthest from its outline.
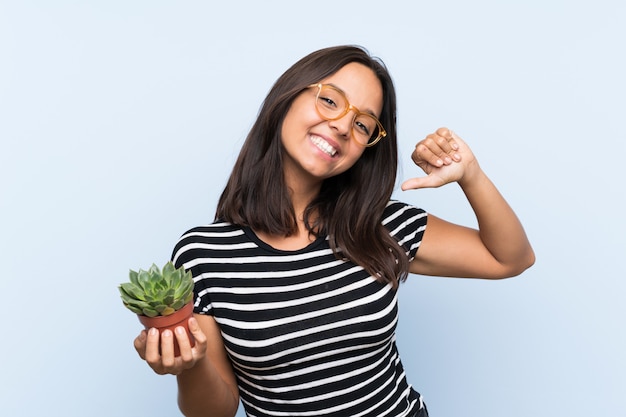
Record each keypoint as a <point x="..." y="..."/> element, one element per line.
<point x="350" y="206"/>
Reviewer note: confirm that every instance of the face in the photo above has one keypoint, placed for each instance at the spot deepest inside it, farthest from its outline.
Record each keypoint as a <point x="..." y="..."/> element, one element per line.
<point x="315" y="148"/>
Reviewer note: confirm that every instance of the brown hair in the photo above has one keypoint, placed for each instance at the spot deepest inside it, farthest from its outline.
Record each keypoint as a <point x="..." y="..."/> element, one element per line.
<point x="350" y="206"/>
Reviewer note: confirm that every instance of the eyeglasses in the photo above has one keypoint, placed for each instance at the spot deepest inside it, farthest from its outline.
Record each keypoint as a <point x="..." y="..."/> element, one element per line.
<point x="331" y="104"/>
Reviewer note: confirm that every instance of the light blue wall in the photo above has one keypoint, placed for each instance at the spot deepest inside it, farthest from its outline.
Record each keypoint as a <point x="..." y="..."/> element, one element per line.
<point x="120" y="121"/>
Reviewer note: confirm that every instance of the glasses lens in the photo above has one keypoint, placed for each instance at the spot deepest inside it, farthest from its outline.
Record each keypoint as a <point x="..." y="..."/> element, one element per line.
<point x="331" y="103"/>
<point x="365" y="129"/>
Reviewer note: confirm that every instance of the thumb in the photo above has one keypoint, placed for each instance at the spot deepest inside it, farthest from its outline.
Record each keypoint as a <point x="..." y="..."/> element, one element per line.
<point x="429" y="181"/>
<point x="194" y="328"/>
<point x="199" y="337"/>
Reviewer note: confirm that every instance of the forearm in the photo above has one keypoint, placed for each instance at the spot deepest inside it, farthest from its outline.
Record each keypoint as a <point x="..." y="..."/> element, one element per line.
<point x="202" y="392"/>
<point x="499" y="228"/>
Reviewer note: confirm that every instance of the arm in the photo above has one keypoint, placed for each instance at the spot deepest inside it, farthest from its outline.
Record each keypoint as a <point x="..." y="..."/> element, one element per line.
<point x="499" y="249"/>
<point x="206" y="382"/>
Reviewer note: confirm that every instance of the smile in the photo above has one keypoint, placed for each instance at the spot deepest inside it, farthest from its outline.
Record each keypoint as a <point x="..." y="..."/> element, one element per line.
<point x="323" y="145"/>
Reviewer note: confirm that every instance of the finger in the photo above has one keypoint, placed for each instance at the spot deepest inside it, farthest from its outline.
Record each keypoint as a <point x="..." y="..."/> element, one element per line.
<point x="167" y="350"/>
<point x="195" y="330"/>
<point x="437" y="144"/>
<point x="453" y="141"/>
<point x="425" y="151"/>
<point x="140" y="344"/>
<point x="152" y="355"/>
<point x="444" y="144"/>
<point x="445" y="132"/>
<point x="184" y="345"/>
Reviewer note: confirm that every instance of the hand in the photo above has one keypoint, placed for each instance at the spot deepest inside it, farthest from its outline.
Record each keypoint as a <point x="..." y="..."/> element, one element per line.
<point x="148" y="343"/>
<point x="444" y="157"/>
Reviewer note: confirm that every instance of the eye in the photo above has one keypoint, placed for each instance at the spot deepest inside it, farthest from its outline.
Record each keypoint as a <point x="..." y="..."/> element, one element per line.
<point x="362" y="127"/>
<point x="327" y="102"/>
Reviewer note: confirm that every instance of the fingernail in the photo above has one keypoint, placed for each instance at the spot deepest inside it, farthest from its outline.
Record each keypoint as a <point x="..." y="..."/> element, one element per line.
<point x="153" y="331"/>
<point x="180" y="330"/>
<point x="439" y="162"/>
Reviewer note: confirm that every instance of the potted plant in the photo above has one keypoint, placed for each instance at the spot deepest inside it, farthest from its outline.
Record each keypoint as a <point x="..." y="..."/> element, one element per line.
<point x="161" y="298"/>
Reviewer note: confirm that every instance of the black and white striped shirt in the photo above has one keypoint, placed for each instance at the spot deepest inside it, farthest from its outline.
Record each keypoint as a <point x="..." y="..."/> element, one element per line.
<point x="308" y="334"/>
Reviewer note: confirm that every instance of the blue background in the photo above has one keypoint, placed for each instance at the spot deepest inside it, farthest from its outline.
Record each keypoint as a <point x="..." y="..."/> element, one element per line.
<point x="120" y="121"/>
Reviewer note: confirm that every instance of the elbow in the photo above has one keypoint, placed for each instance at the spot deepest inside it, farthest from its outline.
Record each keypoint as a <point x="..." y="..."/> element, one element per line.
<point x="531" y="259"/>
<point x="528" y="260"/>
<point x="517" y="268"/>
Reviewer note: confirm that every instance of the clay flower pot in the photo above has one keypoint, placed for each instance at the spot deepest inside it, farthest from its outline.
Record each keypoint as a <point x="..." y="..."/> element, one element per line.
<point x="176" y="319"/>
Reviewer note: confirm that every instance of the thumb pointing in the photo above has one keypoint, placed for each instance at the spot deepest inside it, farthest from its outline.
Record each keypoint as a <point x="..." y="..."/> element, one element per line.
<point x="429" y="181"/>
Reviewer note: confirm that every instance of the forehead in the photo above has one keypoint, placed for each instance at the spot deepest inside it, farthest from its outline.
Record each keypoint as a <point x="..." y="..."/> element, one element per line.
<point x="360" y="85"/>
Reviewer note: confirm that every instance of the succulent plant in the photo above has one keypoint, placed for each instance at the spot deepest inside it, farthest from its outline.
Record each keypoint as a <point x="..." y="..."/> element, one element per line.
<point x="157" y="293"/>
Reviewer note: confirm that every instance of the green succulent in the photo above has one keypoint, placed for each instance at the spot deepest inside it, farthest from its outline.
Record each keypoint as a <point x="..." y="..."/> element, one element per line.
<point x="157" y="293"/>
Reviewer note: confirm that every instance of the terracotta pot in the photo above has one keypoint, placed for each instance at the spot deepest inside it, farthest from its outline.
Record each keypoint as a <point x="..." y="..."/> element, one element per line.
<point x="176" y="319"/>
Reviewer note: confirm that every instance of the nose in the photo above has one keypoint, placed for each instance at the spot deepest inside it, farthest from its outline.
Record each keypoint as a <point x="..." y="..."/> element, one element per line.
<point x="343" y="125"/>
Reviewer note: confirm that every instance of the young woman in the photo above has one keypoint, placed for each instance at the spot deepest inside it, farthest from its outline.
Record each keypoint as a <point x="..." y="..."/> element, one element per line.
<point x="297" y="278"/>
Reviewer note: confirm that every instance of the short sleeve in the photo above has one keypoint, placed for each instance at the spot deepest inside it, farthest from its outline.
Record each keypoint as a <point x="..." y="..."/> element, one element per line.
<point x="186" y="252"/>
<point x="406" y="224"/>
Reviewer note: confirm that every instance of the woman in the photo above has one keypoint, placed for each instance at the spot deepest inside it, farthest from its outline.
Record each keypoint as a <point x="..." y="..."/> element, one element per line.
<point x="297" y="278"/>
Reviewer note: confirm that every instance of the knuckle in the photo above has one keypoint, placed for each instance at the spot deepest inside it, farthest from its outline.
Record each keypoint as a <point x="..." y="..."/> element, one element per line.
<point x="158" y="370"/>
<point x="140" y="350"/>
<point x="421" y="148"/>
<point x="200" y="338"/>
<point x="152" y="361"/>
<point x="187" y="361"/>
<point x="168" y="362"/>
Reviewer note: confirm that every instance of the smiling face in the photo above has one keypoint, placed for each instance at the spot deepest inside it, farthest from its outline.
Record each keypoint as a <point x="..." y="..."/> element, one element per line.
<point x="315" y="148"/>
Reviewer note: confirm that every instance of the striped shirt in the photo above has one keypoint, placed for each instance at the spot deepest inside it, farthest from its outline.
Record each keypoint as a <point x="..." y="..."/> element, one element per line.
<point x="308" y="334"/>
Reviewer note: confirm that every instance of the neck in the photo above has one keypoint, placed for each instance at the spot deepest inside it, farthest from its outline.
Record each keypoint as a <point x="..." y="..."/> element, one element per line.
<point x="302" y="193"/>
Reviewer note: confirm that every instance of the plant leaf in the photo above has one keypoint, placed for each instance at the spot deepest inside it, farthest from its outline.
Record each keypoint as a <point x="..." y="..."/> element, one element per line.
<point x="128" y="290"/>
<point x="150" y="312"/>
<point x="134" y="309"/>
<point x="133" y="277"/>
<point x="168" y="311"/>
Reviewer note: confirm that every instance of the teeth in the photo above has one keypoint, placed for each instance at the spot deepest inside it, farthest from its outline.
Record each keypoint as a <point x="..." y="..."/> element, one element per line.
<point x="323" y="145"/>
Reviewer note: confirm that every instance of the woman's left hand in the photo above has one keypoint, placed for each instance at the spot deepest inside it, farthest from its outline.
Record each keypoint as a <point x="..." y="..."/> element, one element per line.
<point x="444" y="157"/>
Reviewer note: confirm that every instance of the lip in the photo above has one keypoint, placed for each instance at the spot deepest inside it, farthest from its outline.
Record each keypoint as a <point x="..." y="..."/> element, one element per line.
<point x="330" y="141"/>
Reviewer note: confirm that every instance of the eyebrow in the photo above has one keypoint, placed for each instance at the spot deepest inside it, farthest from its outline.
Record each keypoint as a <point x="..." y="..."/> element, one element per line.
<point x="367" y="111"/>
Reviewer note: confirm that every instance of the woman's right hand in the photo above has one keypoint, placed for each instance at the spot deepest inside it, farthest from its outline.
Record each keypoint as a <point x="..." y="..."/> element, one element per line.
<point x="158" y="349"/>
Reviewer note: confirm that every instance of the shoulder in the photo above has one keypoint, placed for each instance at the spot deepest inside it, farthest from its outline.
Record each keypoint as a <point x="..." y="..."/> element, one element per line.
<point x="399" y="214"/>
<point x="406" y="223"/>
<point x="201" y="240"/>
